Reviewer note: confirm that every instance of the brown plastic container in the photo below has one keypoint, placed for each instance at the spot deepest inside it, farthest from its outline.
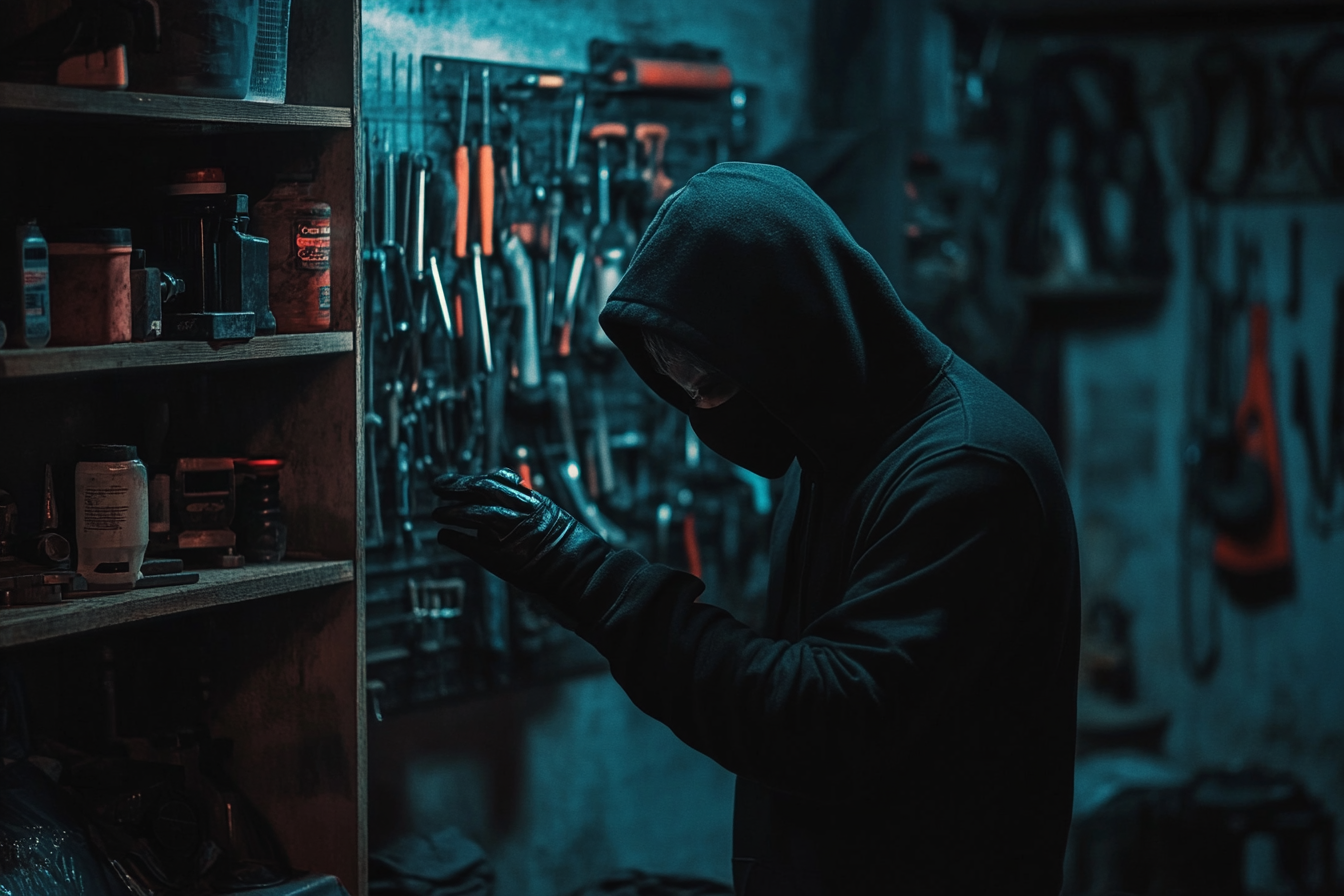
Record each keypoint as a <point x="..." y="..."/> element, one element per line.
<point x="299" y="229"/>
<point x="90" y="286"/>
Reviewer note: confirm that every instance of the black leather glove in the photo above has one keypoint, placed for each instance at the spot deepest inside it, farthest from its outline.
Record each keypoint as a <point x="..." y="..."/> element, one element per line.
<point x="519" y="535"/>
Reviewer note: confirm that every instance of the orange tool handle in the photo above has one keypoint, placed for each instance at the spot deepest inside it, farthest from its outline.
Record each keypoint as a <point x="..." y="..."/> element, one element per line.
<point x="462" y="177"/>
<point x="675" y="75"/>
<point x="692" y="543"/>
<point x="653" y="137"/>
<point x="485" y="167"/>
<point x="524" y="471"/>
<point x="610" y="130"/>
<point x="1257" y="431"/>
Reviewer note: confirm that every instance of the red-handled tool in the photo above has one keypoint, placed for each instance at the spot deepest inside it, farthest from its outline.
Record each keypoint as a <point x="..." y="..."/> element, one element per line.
<point x="1264" y="565"/>
<point x="692" y="544"/>
<point x="653" y="137"/>
<point x="485" y="171"/>
<point x="462" y="173"/>
<point x="673" y="74"/>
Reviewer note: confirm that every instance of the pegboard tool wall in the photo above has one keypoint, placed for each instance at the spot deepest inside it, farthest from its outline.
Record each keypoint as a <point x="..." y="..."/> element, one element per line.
<point x="527" y="237"/>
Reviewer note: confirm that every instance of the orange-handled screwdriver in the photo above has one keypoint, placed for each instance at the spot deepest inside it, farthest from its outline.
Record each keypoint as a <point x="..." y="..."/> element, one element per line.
<point x="653" y="136"/>
<point x="462" y="173"/>
<point x="485" y="170"/>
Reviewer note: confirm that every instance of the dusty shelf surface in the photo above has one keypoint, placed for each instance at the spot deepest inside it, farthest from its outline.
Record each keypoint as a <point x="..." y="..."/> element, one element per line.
<point x="43" y="99"/>
<point x="217" y="587"/>
<point x="16" y="363"/>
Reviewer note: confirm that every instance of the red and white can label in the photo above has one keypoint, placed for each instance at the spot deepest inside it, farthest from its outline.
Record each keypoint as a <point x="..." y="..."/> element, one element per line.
<point x="312" y="243"/>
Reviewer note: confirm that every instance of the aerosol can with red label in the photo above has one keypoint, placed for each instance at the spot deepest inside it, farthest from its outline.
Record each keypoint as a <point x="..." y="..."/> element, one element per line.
<point x="299" y="228"/>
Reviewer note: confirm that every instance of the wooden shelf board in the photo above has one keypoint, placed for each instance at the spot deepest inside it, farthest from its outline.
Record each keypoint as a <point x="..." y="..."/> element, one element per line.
<point x="22" y="362"/>
<point x="217" y="587"/>
<point x="75" y="101"/>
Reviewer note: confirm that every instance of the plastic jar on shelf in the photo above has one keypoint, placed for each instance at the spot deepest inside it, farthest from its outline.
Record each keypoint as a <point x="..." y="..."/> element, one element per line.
<point x="260" y="520"/>
<point x="111" y="514"/>
<point x="90" y="286"/>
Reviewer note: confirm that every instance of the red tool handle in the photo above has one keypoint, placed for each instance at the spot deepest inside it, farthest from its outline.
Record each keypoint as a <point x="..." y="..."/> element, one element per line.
<point x="673" y="74"/>
<point x="485" y="168"/>
<point x="1257" y="430"/>
<point x="692" y="546"/>
<point x="462" y="177"/>
<point x="653" y="137"/>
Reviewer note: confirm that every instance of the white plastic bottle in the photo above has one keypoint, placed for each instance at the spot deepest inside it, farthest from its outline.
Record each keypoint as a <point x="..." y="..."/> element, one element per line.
<point x="111" y="514"/>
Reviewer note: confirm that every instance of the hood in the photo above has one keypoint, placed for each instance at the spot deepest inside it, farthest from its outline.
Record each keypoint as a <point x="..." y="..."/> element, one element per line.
<point x="752" y="271"/>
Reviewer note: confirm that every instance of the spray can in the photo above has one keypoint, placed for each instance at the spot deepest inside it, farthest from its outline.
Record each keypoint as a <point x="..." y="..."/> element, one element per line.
<point x="299" y="229"/>
<point x="25" y="291"/>
<point x="111" y="514"/>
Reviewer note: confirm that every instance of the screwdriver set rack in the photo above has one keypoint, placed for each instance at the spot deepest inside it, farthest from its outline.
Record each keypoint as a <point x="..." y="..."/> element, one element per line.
<point x="504" y="203"/>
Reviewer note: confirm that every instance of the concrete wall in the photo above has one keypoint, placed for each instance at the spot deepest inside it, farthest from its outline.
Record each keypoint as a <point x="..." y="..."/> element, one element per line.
<point x="765" y="42"/>
<point x="1276" y="697"/>
<point x="566" y="783"/>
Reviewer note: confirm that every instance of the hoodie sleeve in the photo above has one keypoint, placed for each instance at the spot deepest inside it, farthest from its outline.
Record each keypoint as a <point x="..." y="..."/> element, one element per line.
<point x="939" y="574"/>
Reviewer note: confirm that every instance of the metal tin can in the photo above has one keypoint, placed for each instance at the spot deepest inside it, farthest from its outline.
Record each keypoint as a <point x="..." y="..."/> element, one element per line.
<point x="299" y="229"/>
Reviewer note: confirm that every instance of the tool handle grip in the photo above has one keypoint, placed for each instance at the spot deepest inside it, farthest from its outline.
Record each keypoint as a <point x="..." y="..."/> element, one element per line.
<point x="462" y="177"/>
<point x="485" y="166"/>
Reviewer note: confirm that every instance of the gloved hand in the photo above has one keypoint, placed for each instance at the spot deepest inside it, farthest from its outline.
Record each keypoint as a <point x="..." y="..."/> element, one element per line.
<point x="520" y="536"/>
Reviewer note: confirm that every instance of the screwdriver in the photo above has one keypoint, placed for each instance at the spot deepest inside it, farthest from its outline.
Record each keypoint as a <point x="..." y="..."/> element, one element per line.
<point x="462" y="172"/>
<point x="485" y="171"/>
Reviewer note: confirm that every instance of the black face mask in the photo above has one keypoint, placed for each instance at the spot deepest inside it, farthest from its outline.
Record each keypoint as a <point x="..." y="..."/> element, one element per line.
<point x="743" y="431"/>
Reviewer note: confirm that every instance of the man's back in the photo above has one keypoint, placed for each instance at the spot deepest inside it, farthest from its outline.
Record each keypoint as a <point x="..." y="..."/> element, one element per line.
<point x="955" y="544"/>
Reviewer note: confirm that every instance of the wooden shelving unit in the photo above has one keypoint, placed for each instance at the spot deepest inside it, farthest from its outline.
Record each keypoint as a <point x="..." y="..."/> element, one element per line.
<point x="55" y="362"/>
<point x="217" y="587"/>
<point x="283" y="643"/>
<point x="20" y="363"/>
<point x="43" y="101"/>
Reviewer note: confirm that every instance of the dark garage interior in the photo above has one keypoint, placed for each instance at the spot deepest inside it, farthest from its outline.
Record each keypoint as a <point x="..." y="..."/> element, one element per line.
<point x="290" y="278"/>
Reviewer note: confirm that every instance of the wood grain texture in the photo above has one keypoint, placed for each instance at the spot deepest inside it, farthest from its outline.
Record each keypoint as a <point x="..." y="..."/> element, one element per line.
<point x="44" y="99"/>
<point x="217" y="587"/>
<point x="17" y="363"/>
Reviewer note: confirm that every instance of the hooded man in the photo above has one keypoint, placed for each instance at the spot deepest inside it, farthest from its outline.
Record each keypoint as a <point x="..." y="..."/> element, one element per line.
<point x="905" y="722"/>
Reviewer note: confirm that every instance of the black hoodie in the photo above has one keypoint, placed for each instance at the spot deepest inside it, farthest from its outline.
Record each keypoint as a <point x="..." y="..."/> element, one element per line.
<point x="905" y="723"/>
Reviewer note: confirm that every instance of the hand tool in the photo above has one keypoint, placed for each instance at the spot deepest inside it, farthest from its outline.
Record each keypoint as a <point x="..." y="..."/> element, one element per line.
<point x="672" y="74"/>
<point x="615" y="239"/>
<point x="555" y="204"/>
<point x="404" y="523"/>
<point x="601" y="134"/>
<point x="48" y="547"/>
<point x="482" y="308"/>
<point x="575" y="133"/>
<point x="662" y="537"/>
<point x="462" y="172"/>
<point x="692" y="443"/>
<point x="606" y="469"/>
<point x="1265" y="562"/>
<point x="691" y="543"/>
<point x="577" y="271"/>
<point x="543" y="81"/>
<point x="496" y="391"/>
<point x="420" y="167"/>
<point x="557" y="389"/>
<point x="485" y="171"/>
<point x="518" y="266"/>
<point x="522" y="465"/>
<point x="439" y="294"/>
<point x="653" y="137"/>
